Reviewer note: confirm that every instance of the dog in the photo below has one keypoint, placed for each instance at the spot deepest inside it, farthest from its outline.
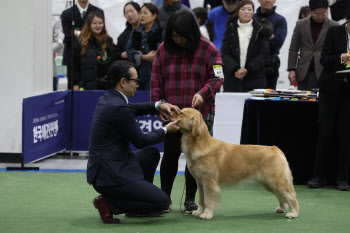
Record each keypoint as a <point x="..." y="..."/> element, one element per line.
<point x="214" y="163"/>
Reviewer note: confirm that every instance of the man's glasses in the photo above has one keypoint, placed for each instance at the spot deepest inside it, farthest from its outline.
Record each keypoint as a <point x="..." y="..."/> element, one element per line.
<point x="319" y="14"/>
<point x="137" y="80"/>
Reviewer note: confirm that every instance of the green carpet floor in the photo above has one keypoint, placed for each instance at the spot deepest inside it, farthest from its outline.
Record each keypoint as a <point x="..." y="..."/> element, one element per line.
<point x="61" y="202"/>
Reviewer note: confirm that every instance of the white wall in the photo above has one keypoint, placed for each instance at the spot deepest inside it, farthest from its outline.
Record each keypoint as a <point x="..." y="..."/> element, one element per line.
<point x="25" y="61"/>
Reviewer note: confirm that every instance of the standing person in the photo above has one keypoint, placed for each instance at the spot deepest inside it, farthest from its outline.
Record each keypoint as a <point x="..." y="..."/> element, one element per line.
<point x="169" y="7"/>
<point x="81" y="10"/>
<point x="219" y="16"/>
<point x="304" y="12"/>
<point x="144" y="42"/>
<point x="94" y="51"/>
<point x="205" y="25"/>
<point x="123" y="178"/>
<point x="244" y="51"/>
<point x="187" y="72"/>
<point x="133" y="22"/>
<point x="267" y="10"/>
<point x="308" y="38"/>
<point x="57" y="44"/>
<point x="334" y="108"/>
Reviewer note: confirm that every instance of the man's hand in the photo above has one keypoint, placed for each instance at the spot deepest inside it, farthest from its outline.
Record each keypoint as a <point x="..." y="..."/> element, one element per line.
<point x="172" y="127"/>
<point x="163" y="116"/>
<point x="292" y="77"/>
<point x="197" y="100"/>
<point x="166" y="108"/>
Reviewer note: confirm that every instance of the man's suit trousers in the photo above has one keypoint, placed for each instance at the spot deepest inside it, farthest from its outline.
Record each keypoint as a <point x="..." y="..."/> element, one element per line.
<point x="141" y="196"/>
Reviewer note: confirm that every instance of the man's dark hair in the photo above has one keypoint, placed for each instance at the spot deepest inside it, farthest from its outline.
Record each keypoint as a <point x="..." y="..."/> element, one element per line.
<point x="230" y="1"/>
<point x="202" y="14"/>
<point x="347" y="16"/>
<point x="118" y="70"/>
<point x="137" y="8"/>
<point x="183" y="23"/>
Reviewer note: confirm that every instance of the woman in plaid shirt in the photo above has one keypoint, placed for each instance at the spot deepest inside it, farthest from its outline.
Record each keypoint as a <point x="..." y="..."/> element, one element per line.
<point x="187" y="72"/>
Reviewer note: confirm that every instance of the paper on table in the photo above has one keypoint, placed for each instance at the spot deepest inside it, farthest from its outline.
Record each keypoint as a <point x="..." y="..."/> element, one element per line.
<point x="342" y="71"/>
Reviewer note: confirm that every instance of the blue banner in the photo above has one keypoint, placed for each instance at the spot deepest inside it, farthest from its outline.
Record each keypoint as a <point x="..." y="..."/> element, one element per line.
<point x="84" y="107"/>
<point x="43" y="125"/>
<point x="47" y="121"/>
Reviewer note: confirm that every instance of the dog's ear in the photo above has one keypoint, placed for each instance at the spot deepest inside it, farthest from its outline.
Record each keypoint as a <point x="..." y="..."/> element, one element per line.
<point x="196" y="126"/>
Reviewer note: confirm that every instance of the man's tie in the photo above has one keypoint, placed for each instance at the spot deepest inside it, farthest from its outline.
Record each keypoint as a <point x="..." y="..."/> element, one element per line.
<point x="82" y="14"/>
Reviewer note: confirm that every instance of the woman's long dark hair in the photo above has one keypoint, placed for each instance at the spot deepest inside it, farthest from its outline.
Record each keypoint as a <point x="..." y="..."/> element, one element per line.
<point x="137" y="8"/>
<point x="184" y="24"/>
<point x="202" y="14"/>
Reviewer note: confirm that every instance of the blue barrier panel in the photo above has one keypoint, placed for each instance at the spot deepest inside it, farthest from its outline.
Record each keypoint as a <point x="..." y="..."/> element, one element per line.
<point x="46" y="122"/>
<point x="84" y="107"/>
<point x="43" y="125"/>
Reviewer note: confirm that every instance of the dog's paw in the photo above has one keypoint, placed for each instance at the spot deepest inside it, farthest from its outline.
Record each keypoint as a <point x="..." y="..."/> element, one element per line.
<point x="279" y="210"/>
<point x="197" y="213"/>
<point x="206" y="216"/>
<point x="291" y="215"/>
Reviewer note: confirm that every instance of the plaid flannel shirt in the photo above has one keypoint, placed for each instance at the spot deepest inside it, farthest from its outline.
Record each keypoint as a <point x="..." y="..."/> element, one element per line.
<point x="177" y="80"/>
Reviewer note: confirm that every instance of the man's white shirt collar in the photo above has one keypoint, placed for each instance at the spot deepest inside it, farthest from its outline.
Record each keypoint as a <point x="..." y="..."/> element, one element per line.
<point x="82" y="9"/>
<point x="126" y="99"/>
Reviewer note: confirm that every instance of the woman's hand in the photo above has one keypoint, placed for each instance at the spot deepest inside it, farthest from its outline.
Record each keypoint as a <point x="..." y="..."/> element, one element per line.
<point x="197" y="100"/>
<point x="241" y="73"/>
<point x="151" y="55"/>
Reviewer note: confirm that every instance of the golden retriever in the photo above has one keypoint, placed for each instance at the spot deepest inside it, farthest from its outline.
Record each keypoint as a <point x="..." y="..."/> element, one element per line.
<point x="214" y="163"/>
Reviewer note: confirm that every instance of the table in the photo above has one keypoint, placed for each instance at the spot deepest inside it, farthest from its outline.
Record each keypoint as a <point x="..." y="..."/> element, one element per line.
<point x="290" y="125"/>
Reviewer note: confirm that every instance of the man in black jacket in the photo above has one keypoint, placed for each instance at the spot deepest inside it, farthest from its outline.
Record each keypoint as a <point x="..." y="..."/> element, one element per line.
<point x="81" y="10"/>
<point x="123" y="178"/>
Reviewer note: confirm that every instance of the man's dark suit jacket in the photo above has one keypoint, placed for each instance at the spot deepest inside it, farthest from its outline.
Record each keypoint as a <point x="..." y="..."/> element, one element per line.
<point x="111" y="160"/>
<point x="334" y="45"/>
<point x="66" y="18"/>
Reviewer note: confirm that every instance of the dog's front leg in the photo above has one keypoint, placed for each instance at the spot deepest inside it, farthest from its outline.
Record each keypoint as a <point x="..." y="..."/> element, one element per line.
<point x="211" y="198"/>
<point x="201" y="206"/>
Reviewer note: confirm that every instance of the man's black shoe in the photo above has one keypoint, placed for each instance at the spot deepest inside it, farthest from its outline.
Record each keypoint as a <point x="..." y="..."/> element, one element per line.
<point x="190" y="206"/>
<point x="316" y="182"/>
<point x="343" y="185"/>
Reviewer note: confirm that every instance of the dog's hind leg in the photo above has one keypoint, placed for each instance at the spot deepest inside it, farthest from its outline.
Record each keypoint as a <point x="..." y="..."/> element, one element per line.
<point x="286" y="196"/>
<point x="282" y="201"/>
<point x="292" y="202"/>
<point x="211" y="197"/>
<point x="201" y="206"/>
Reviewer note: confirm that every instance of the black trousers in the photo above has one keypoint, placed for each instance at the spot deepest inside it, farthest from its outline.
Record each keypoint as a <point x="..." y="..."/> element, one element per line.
<point x="169" y="166"/>
<point x="271" y="80"/>
<point x="69" y="77"/>
<point x="309" y="82"/>
<point x="334" y="135"/>
<point x="141" y="196"/>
